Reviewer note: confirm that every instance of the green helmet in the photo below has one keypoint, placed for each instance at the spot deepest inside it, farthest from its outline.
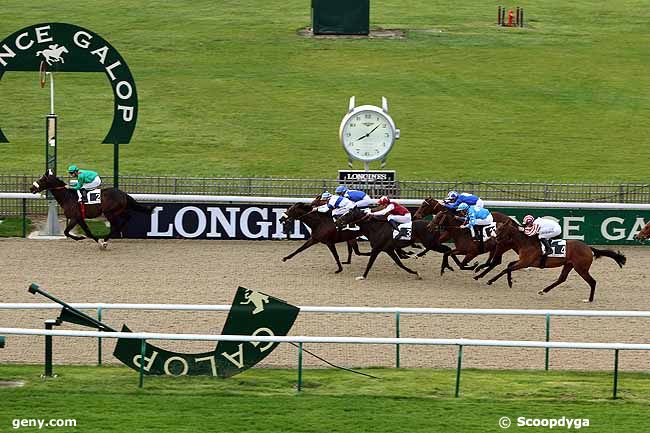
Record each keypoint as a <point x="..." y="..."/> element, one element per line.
<point x="73" y="168"/>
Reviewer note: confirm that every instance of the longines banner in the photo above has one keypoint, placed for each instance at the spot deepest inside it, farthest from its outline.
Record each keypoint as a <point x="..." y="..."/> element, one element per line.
<point x="262" y="222"/>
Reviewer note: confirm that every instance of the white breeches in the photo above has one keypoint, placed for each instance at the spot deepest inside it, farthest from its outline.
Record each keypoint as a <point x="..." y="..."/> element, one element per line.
<point x="340" y="211"/>
<point x="364" y="202"/>
<point x="479" y="203"/>
<point x="401" y="219"/>
<point x="92" y="185"/>
<point x="549" y="232"/>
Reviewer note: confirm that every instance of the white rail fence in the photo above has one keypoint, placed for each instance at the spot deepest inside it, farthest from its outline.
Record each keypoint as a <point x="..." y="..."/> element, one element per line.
<point x="231" y="199"/>
<point x="144" y="336"/>
<point x="101" y="308"/>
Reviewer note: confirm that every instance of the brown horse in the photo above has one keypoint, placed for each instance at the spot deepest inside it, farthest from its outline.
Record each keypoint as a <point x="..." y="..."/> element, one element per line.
<point x="449" y="224"/>
<point x="115" y="206"/>
<point x="644" y="234"/>
<point x="323" y="231"/>
<point x="430" y="206"/>
<point x="579" y="256"/>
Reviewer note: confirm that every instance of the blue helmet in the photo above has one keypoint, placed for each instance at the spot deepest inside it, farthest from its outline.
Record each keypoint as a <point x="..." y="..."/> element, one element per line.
<point x="326" y="195"/>
<point x="463" y="206"/>
<point x="341" y="188"/>
<point x="452" y="195"/>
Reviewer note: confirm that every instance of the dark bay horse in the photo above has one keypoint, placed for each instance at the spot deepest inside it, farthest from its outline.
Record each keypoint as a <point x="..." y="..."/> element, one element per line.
<point x="380" y="234"/>
<point x="429" y="206"/>
<point x="579" y="256"/>
<point x="323" y="231"/>
<point x="115" y="206"/>
<point x="449" y="223"/>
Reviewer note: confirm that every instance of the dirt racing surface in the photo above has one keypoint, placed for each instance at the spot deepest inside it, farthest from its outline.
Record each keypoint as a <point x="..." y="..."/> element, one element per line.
<point x="208" y="272"/>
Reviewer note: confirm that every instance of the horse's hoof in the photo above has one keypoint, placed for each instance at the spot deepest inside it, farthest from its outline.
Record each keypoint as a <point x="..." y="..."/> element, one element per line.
<point x="103" y="244"/>
<point x="418" y="276"/>
<point x="489" y="283"/>
<point x="284" y="259"/>
<point x="476" y="277"/>
<point x="360" y="278"/>
<point x="586" y="301"/>
<point x="338" y="271"/>
<point x="540" y="293"/>
<point x="346" y="263"/>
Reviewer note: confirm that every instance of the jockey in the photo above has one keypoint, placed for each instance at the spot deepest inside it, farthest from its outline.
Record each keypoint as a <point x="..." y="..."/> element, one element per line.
<point x="337" y="204"/>
<point x="397" y="214"/>
<point x="475" y="216"/>
<point x="86" y="181"/>
<point x="454" y="200"/>
<point x="545" y="228"/>
<point x="360" y="198"/>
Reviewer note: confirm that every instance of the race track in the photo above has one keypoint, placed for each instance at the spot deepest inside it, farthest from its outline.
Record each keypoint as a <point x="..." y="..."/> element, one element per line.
<point x="208" y="272"/>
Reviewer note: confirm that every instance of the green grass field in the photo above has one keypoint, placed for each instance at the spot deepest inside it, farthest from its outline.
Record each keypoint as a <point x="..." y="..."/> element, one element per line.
<point x="13" y="227"/>
<point x="229" y="89"/>
<point x="107" y="399"/>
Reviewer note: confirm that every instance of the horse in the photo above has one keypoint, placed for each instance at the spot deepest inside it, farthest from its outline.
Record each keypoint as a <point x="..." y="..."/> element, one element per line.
<point x="323" y="231"/>
<point x="115" y="206"/>
<point x="429" y="206"/>
<point x="644" y="234"/>
<point x="380" y="234"/>
<point x="449" y="224"/>
<point x="579" y="256"/>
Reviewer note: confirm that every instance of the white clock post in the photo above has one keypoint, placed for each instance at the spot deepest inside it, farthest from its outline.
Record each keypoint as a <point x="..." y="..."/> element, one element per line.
<point x="368" y="133"/>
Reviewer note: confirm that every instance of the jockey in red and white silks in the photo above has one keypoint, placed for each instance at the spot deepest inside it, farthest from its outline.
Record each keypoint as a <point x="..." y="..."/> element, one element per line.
<point x="545" y="228"/>
<point x="397" y="214"/>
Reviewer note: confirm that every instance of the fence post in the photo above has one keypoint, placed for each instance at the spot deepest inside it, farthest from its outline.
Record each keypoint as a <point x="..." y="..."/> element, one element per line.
<point x="99" y="339"/>
<point x="299" y="366"/>
<point x="548" y="338"/>
<point x="460" y="362"/>
<point x="615" y="372"/>
<point x="24" y="217"/>
<point x="143" y="351"/>
<point x="397" y="360"/>
<point x="48" y="347"/>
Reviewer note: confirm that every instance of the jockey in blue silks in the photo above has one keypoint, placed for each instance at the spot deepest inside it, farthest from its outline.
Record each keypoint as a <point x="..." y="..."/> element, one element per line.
<point x="454" y="199"/>
<point x="358" y="197"/>
<point x="475" y="216"/>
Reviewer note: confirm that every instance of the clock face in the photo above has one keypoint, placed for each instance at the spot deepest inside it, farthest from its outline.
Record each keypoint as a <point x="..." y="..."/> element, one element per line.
<point x="367" y="135"/>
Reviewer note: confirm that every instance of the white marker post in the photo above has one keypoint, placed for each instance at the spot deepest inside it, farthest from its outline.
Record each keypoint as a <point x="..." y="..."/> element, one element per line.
<point x="52" y="227"/>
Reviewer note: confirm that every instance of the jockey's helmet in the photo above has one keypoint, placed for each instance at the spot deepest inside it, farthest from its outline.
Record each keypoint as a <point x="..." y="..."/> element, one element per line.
<point x="341" y="189"/>
<point x="73" y="168"/>
<point x="383" y="201"/>
<point x="452" y="195"/>
<point x="463" y="207"/>
<point x="528" y="219"/>
<point x="326" y="195"/>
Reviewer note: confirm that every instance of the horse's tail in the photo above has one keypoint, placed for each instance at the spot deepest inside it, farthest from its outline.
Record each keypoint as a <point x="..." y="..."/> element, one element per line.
<point x="616" y="256"/>
<point x="131" y="204"/>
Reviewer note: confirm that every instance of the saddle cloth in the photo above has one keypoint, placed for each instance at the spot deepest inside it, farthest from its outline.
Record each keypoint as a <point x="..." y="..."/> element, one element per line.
<point x="489" y="231"/>
<point x="94" y="196"/>
<point x="404" y="232"/>
<point x="558" y="247"/>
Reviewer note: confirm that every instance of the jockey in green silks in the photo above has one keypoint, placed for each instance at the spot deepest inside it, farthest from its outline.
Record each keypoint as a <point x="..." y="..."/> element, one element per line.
<point x="87" y="180"/>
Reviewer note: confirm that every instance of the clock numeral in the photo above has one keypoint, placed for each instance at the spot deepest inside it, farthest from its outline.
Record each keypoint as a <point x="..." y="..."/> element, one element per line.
<point x="383" y="126"/>
<point x="349" y="134"/>
<point x="353" y="125"/>
<point x="366" y="154"/>
<point x="368" y="116"/>
<point x="385" y="133"/>
<point x="359" y="118"/>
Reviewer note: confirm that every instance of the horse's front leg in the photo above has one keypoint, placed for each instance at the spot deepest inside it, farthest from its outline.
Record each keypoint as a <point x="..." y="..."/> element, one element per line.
<point x="512" y="266"/>
<point x="71" y="224"/>
<point x="86" y="229"/>
<point x="393" y="255"/>
<point x="335" y="253"/>
<point x="468" y="257"/>
<point x="303" y="247"/>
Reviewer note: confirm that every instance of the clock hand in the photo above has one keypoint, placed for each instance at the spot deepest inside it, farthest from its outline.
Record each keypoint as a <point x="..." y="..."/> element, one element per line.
<point x="373" y="130"/>
<point x="368" y="134"/>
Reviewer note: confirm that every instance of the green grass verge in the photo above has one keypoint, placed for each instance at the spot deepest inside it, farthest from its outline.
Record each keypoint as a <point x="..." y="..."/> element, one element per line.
<point x="228" y="88"/>
<point x="97" y="227"/>
<point x="107" y="399"/>
<point x="13" y="227"/>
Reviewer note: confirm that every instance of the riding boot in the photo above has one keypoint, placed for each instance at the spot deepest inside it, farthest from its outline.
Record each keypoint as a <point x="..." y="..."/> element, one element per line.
<point x="394" y="224"/>
<point x="84" y="195"/>
<point x="546" y="252"/>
